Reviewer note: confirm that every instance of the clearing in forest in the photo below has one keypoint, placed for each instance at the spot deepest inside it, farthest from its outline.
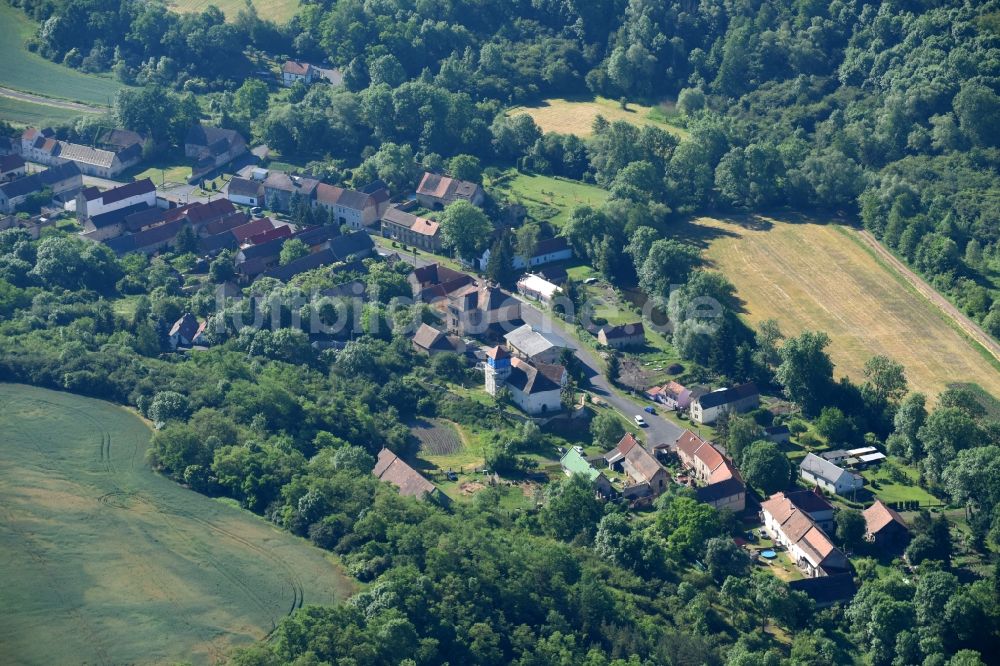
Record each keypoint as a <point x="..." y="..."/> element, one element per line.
<point x="576" y="115"/>
<point x="822" y="277"/>
<point x="548" y="198"/>
<point x="106" y="562"/>
<point x="278" y="11"/>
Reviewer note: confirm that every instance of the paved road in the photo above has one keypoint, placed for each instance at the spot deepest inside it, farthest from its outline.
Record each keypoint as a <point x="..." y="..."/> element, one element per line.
<point x="51" y="101"/>
<point x="659" y="430"/>
<point x="971" y="328"/>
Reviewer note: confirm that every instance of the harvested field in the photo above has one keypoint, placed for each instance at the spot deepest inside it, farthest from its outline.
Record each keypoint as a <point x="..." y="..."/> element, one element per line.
<point x="278" y="11"/>
<point x="106" y="562"/>
<point x="436" y="437"/>
<point x="822" y="277"/>
<point x="576" y="116"/>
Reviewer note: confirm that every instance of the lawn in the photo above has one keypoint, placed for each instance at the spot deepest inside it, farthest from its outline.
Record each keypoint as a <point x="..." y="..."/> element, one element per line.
<point x="124" y="565"/>
<point x="20" y="112"/>
<point x="165" y="172"/>
<point x="576" y="116"/>
<point x="812" y="276"/>
<point x="896" y="482"/>
<point x="548" y="198"/>
<point x="278" y="11"/>
<point x="30" y="72"/>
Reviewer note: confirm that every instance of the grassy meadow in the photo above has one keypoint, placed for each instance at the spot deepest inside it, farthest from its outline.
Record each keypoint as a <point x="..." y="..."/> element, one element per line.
<point x="576" y="115"/>
<point x="104" y="561"/>
<point x="812" y="276"/>
<point x="20" y="112"/>
<point x="278" y="11"/>
<point x="27" y="71"/>
<point x="548" y="198"/>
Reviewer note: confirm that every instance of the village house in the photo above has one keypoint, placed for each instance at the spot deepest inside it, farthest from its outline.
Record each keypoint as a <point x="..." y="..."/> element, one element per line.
<point x="357" y="210"/>
<point x="390" y="468"/>
<point x="280" y="189"/>
<point x="212" y="147"/>
<point x="826" y="475"/>
<point x="186" y="332"/>
<point x="409" y="229"/>
<point x="293" y="71"/>
<point x="41" y="146"/>
<point x="779" y="434"/>
<point x="646" y="476"/>
<point x="11" y="168"/>
<point x="62" y="180"/>
<point x="885" y="528"/>
<point x="532" y="345"/>
<point x="149" y="241"/>
<point x="429" y="340"/>
<point x="437" y="191"/>
<point x="707" y="408"/>
<point x="546" y="251"/>
<point x="817" y="507"/>
<point x="325" y="248"/>
<point x="672" y="395"/>
<point x="622" y="336"/>
<point x="245" y="191"/>
<point x="478" y="309"/>
<point x="536" y="388"/>
<point x="434" y="283"/>
<point x="807" y="544"/>
<point x="91" y="201"/>
<point x="720" y="482"/>
<point x="574" y="463"/>
<point x="538" y="288"/>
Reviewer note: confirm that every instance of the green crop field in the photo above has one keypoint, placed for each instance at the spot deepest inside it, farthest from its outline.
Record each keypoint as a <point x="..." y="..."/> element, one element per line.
<point x="23" y="70"/>
<point x="20" y="112"/>
<point x="273" y="10"/>
<point x="576" y="115"/>
<point x="548" y="198"/>
<point x="104" y="561"/>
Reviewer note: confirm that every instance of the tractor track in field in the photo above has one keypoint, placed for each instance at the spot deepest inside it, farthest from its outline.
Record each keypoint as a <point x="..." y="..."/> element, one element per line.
<point x="50" y="101"/>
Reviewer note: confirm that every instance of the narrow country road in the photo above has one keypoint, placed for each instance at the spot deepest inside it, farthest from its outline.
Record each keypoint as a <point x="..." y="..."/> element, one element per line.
<point x="971" y="328"/>
<point x="50" y="101"/>
<point x="659" y="429"/>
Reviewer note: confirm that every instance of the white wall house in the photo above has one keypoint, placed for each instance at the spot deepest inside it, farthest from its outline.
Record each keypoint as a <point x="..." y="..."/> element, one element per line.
<point x="91" y="201"/>
<point x="826" y="475"/>
<point x="807" y="544"/>
<point x="706" y="409"/>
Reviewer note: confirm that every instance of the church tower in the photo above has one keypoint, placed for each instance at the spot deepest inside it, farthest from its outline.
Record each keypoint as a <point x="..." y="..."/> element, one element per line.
<point x="497" y="369"/>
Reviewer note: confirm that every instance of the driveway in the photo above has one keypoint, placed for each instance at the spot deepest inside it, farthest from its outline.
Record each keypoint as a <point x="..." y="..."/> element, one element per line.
<point x="660" y="430"/>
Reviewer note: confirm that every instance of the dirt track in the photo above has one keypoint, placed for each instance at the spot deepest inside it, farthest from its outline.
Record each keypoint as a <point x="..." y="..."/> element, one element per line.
<point x="971" y="328"/>
<point x="50" y="101"/>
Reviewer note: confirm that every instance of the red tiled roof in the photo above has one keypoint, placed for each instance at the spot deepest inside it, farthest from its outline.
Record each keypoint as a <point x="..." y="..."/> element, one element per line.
<point x="878" y="516"/>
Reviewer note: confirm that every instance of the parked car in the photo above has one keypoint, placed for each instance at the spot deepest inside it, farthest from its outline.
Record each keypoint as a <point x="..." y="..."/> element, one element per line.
<point x="451" y="475"/>
<point x="639" y="421"/>
<point x="578" y="449"/>
<point x="257" y="211"/>
<point x="650" y="410"/>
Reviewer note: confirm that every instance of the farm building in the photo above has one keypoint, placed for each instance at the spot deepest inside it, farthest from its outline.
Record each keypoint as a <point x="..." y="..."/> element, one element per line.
<point x="280" y="189"/>
<point x="41" y="146"/>
<point x="647" y="477"/>
<point x="212" y="147"/>
<point x="885" y="528"/>
<point x="808" y="545"/>
<point x="528" y="343"/>
<point x="245" y="191"/>
<point x="437" y="191"/>
<point x="429" y="340"/>
<point x="357" y="210"/>
<point x="826" y="475"/>
<point x="538" y="288"/>
<point x="11" y="168"/>
<point x="673" y="395"/>
<point x="574" y="463"/>
<point x="435" y="283"/>
<point x="476" y="309"/>
<point x="409" y="229"/>
<point x="63" y="180"/>
<point x="92" y="201"/>
<point x="390" y="468"/>
<point x="622" y="336"/>
<point x="707" y="408"/>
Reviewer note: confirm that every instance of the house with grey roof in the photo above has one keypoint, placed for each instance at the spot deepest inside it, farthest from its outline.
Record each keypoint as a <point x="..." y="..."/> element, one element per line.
<point x="707" y="408"/>
<point x="528" y="343"/>
<point x="823" y="473"/>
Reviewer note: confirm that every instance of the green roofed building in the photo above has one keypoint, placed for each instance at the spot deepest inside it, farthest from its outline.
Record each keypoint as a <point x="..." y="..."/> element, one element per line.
<point x="574" y="463"/>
